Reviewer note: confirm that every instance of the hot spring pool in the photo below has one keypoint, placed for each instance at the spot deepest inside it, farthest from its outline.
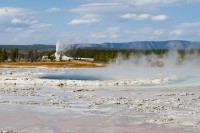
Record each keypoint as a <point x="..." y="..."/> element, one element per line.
<point x="169" y="81"/>
<point x="140" y="76"/>
<point x="72" y="77"/>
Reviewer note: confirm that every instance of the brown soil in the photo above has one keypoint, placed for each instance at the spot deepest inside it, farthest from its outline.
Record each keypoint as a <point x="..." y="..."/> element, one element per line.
<point x="70" y="64"/>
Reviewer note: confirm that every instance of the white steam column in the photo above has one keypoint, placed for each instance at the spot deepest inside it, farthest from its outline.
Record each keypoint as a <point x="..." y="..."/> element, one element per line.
<point x="60" y="49"/>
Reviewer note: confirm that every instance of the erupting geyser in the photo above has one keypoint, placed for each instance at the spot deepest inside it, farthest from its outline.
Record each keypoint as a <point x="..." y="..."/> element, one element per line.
<point x="60" y="49"/>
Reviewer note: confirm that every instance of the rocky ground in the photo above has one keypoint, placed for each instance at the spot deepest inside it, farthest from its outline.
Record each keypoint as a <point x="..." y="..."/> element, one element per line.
<point x="63" y="107"/>
<point x="39" y="77"/>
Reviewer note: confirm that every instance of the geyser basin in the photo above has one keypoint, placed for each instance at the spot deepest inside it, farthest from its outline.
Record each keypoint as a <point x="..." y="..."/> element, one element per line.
<point x="131" y="76"/>
<point x="103" y="74"/>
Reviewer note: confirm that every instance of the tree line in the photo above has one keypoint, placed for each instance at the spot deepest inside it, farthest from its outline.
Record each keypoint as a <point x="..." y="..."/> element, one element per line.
<point x="99" y="55"/>
<point x="105" y="55"/>
<point x="19" y="55"/>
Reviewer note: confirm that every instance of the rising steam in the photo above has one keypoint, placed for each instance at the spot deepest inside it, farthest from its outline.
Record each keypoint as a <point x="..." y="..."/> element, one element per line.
<point x="152" y="66"/>
<point x="59" y="47"/>
<point x="141" y="67"/>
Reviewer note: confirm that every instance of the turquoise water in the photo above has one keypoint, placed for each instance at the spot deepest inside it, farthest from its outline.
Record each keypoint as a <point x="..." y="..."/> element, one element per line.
<point x="190" y="80"/>
<point x="180" y="82"/>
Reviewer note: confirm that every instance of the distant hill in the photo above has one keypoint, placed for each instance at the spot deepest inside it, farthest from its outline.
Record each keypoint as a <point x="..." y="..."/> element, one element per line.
<point x="141" y="45"/>
<point x="29" y="47"/>
<point x="136" y="45"/>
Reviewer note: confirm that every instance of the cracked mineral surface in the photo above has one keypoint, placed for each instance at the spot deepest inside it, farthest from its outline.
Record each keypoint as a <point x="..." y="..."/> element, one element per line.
<point x="29" y="103"/>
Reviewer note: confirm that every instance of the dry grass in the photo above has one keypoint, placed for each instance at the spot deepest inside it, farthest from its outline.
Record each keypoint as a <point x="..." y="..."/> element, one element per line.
<point x="71" y="64"/>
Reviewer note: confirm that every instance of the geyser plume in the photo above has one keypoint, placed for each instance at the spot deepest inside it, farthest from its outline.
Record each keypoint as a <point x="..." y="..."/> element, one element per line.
<point x="59" y="47"/>
<point x="60" y="50"/>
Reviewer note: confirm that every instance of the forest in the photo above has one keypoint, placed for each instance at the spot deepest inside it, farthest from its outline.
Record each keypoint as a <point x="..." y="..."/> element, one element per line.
<point x="105" y="55"/>
<point x="38" y="47"/>
<point x="99" y="55"/>
<point x="17" y="55"/>
<point x="25" y="53"/>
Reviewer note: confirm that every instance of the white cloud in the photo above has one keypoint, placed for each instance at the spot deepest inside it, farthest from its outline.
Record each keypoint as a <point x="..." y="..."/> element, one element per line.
<point x="9" y="29"/>
<point x="83" y="21"/>
<point x="26" y="21"/>
<point x="111" y="32"/>
<point x="22" y="27"/>
<point x="16" y="21"/>
<point x="186" y="30"/>
<point x="159" y="18"/>
<point x="20" y="20"/>
<point x="129" y="16"/>
<point x="190" y="25"/>
<point x="119" y="34"/>
<point x="144" y="17"/>
<point x="14" y="18"/>
<point x="145" y="34"/>
<point x="40" y="26"/>
<point x="99" y="8"/>
<point x="14" y="15"/>
<point x="101" y="4"/>
<point x="87" y="19"/>
<point x="20" y="24"/>
<point x="176" y="32"/>
<point x="95" y="6"/>
<point x="54" y="10"/>
<point x="154" y="3"/>
<point x="13" y="11"/>
<point x="158" y="32"/>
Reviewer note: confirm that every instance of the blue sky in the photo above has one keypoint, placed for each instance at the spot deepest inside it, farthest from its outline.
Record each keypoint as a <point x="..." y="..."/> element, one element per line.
<point x="98" y="21"/>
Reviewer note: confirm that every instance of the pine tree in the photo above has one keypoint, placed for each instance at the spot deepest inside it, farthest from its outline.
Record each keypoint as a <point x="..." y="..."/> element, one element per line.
<point x="14" y="54"/>
<point x="4" y="55"/>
